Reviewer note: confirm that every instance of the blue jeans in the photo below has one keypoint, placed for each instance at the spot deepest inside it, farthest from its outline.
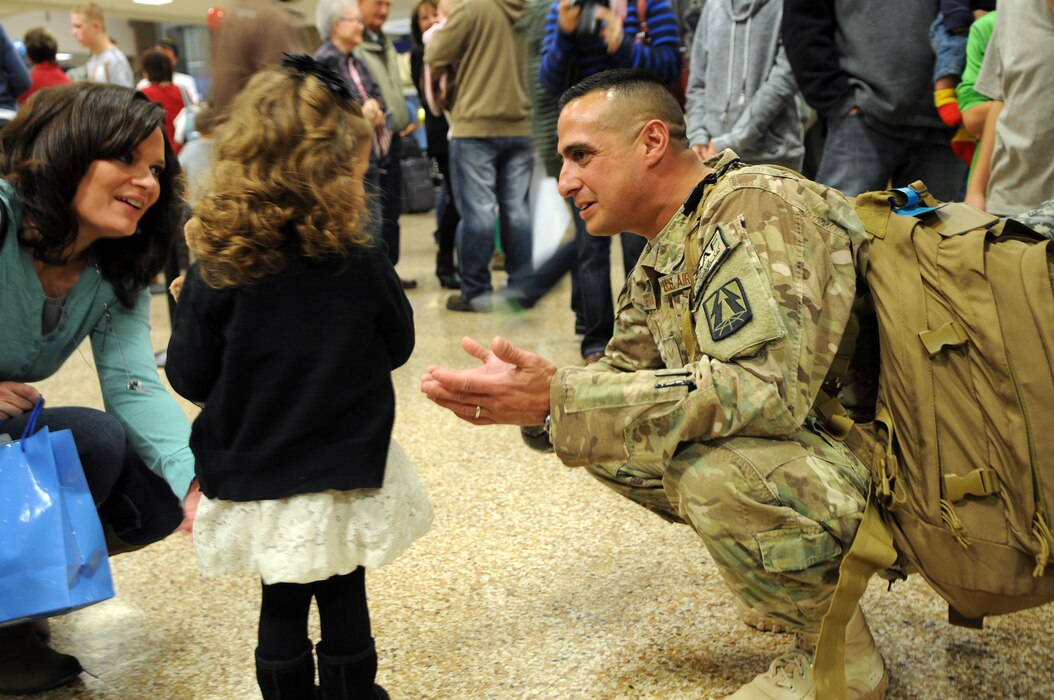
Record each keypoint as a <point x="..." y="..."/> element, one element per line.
<point x="491" y="178"/>
<point x="858" y="158"/>
<point x="594" y="282"/>
<point x="547" y="275"/>
<point x="949" y="50"/>
<point x="134" y="502"/>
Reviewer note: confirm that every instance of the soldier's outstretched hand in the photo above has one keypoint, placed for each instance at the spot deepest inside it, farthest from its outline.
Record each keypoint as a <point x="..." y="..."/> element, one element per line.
<point x="511" y="386"/>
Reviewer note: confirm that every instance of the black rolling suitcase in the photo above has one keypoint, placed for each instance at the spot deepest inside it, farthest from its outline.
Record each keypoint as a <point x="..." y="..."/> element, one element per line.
<point x="418" y="190"/>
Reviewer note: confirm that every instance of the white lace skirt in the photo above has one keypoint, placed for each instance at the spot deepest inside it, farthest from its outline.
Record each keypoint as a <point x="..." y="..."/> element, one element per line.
<point x="313" y="536"/>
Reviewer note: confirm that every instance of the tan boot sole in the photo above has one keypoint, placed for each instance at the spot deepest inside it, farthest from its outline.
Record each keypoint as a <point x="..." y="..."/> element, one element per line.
<point x="763" y="623"/>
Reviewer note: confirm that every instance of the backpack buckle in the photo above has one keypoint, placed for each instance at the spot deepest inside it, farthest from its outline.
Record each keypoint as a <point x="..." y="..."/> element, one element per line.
<point x="979" y="482"/>
<point x="950" y="334"/>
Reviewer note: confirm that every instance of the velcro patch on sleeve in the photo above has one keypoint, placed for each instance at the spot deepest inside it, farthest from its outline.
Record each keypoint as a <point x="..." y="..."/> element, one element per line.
<point x="737" y="301"/>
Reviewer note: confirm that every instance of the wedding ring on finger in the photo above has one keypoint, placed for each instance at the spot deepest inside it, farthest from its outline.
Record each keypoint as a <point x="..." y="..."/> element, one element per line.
<point x="477" y="411"/>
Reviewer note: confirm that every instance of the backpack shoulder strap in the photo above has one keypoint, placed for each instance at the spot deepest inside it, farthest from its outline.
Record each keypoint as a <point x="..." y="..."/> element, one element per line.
<point x="872" y="551"/>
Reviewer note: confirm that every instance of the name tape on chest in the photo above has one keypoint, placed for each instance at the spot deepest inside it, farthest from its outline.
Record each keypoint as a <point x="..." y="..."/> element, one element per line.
<point x="675" y="282"/>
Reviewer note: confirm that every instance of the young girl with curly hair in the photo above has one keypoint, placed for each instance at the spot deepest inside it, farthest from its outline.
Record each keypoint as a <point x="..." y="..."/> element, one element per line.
<point x="288" y="328"/>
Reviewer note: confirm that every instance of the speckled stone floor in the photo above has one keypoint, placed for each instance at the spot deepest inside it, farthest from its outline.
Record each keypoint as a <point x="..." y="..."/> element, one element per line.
<point x="535" y="582"/>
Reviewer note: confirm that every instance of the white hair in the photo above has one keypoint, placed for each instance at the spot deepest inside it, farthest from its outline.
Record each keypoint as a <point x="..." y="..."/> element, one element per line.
<point x="328" y="12"/>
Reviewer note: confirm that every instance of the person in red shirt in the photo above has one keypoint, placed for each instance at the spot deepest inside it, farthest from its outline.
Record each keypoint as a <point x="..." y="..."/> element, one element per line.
<point x="41" y="46"/>
<point x="157" y="67"/>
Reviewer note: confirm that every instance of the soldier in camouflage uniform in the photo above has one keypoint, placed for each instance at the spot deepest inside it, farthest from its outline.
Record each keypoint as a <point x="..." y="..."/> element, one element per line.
<point x="701" y="409"/>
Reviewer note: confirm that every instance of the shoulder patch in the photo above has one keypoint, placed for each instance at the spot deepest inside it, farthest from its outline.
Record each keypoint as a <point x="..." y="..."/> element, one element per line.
<point x="727" y="309"/>
<point x="713" y="253"/>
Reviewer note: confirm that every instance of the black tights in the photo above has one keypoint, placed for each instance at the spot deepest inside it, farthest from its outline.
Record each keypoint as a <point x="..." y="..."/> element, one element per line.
<point x="342" y="610"/>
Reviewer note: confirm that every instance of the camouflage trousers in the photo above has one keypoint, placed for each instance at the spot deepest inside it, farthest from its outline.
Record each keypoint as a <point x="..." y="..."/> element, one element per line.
<point x="775" y="515"/>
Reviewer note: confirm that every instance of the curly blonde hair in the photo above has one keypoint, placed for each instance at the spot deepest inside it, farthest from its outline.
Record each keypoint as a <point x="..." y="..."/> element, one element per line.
<point x="289" y="159"/>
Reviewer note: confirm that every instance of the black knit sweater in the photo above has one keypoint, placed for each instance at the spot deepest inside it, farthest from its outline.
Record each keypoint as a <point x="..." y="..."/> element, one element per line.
<point x="294" y="371"/>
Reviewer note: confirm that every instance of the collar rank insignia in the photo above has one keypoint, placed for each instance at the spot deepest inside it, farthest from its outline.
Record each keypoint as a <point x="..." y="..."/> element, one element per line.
<point x="727" y="309"/>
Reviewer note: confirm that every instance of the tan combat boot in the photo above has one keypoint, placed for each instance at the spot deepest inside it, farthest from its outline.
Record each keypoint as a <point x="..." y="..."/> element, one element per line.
<point x="790" y="676"/>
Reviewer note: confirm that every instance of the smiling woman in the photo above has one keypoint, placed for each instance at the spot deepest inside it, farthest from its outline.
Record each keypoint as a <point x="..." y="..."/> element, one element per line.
<point x="89" y="206"/>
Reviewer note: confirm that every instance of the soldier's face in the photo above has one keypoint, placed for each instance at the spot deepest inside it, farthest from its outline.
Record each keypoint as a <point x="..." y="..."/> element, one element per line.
<point x="600" y="166"/>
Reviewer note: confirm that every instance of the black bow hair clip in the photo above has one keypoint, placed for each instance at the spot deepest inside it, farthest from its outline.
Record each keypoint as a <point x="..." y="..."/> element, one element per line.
<point x="304" y="65"/>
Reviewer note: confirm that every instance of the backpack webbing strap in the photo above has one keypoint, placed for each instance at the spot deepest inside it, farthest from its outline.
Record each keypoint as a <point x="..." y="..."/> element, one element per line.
<point x="872" y="551"/>
<point x="691" y="265"/>
<point x="836" y="420"/>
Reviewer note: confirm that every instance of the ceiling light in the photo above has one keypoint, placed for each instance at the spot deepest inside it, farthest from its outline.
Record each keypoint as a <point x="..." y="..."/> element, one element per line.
<point x="152" y="2"/>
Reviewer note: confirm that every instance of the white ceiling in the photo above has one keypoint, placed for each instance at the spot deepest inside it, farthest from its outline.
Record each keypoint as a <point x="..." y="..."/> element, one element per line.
<point x="176" y="12"/>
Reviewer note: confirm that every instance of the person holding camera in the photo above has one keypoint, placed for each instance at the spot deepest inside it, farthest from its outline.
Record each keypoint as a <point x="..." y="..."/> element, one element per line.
<point x="582" y="38"/>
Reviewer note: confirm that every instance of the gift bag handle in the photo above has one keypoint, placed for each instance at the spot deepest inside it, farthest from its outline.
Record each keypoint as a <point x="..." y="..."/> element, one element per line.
<point x="31" y="424"/>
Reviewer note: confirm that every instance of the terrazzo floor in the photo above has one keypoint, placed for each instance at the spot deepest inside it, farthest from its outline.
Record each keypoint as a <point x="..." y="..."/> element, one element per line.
<point x="535" y="581"/>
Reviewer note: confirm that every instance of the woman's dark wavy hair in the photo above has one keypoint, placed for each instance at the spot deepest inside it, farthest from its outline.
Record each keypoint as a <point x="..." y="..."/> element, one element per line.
<point x="46" y="150"/>
<point x="415" y="22"/>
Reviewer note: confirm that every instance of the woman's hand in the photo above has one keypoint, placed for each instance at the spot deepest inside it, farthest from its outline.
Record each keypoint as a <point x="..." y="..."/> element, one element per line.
<point x="190" y="507"/>
<point x="371" y="109"/>
<point x="16" y="399"/>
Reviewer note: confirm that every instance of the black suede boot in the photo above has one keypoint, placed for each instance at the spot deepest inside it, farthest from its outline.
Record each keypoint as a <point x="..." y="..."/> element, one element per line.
<point x="290" y="679"/>
<point x="28" y="665"/>
<point x="349" y="677"/>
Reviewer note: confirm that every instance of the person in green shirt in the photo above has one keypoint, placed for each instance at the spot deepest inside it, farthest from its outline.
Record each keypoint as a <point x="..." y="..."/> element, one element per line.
<point x="973" y="105"/>
<point x="90" y="202"/>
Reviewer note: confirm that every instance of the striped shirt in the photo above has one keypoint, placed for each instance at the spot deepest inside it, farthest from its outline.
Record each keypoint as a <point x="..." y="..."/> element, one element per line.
<point x="565" y="60"/>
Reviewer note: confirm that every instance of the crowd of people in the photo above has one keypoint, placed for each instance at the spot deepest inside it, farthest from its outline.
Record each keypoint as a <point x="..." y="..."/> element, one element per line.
<point x="691" y="154"/>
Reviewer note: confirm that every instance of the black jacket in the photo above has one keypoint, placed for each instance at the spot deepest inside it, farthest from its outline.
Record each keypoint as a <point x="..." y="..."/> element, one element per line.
<point x="871" y="55"/>
<point x="436" y="128"/>
<point x="294" y="371"/>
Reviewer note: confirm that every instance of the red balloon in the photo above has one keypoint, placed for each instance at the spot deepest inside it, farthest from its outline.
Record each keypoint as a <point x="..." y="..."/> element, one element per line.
<point x="213" y="16"/>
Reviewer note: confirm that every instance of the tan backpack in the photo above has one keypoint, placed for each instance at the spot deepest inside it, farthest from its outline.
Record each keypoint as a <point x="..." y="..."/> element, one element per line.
<point x="962" y="445"/>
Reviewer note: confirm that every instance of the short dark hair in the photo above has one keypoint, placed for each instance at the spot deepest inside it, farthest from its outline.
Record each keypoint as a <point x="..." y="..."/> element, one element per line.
<point x="645" y="90"/>
<point x="168" y="43"/>
<point x="156" y="65"/>
<point x="45" y="152"/>
<point x="41" y="45"/>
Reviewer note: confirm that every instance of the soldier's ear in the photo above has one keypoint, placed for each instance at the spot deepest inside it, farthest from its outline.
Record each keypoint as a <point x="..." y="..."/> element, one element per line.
<point x="655" y="140"/>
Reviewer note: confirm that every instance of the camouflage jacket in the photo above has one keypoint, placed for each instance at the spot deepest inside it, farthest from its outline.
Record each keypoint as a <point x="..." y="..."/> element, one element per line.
<point x="769" y="302"/>
<point x="1040" y="219"/>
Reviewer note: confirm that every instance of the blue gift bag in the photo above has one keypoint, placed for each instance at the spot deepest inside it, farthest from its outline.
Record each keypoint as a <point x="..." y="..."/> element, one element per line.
<point x="53" y="555"/>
